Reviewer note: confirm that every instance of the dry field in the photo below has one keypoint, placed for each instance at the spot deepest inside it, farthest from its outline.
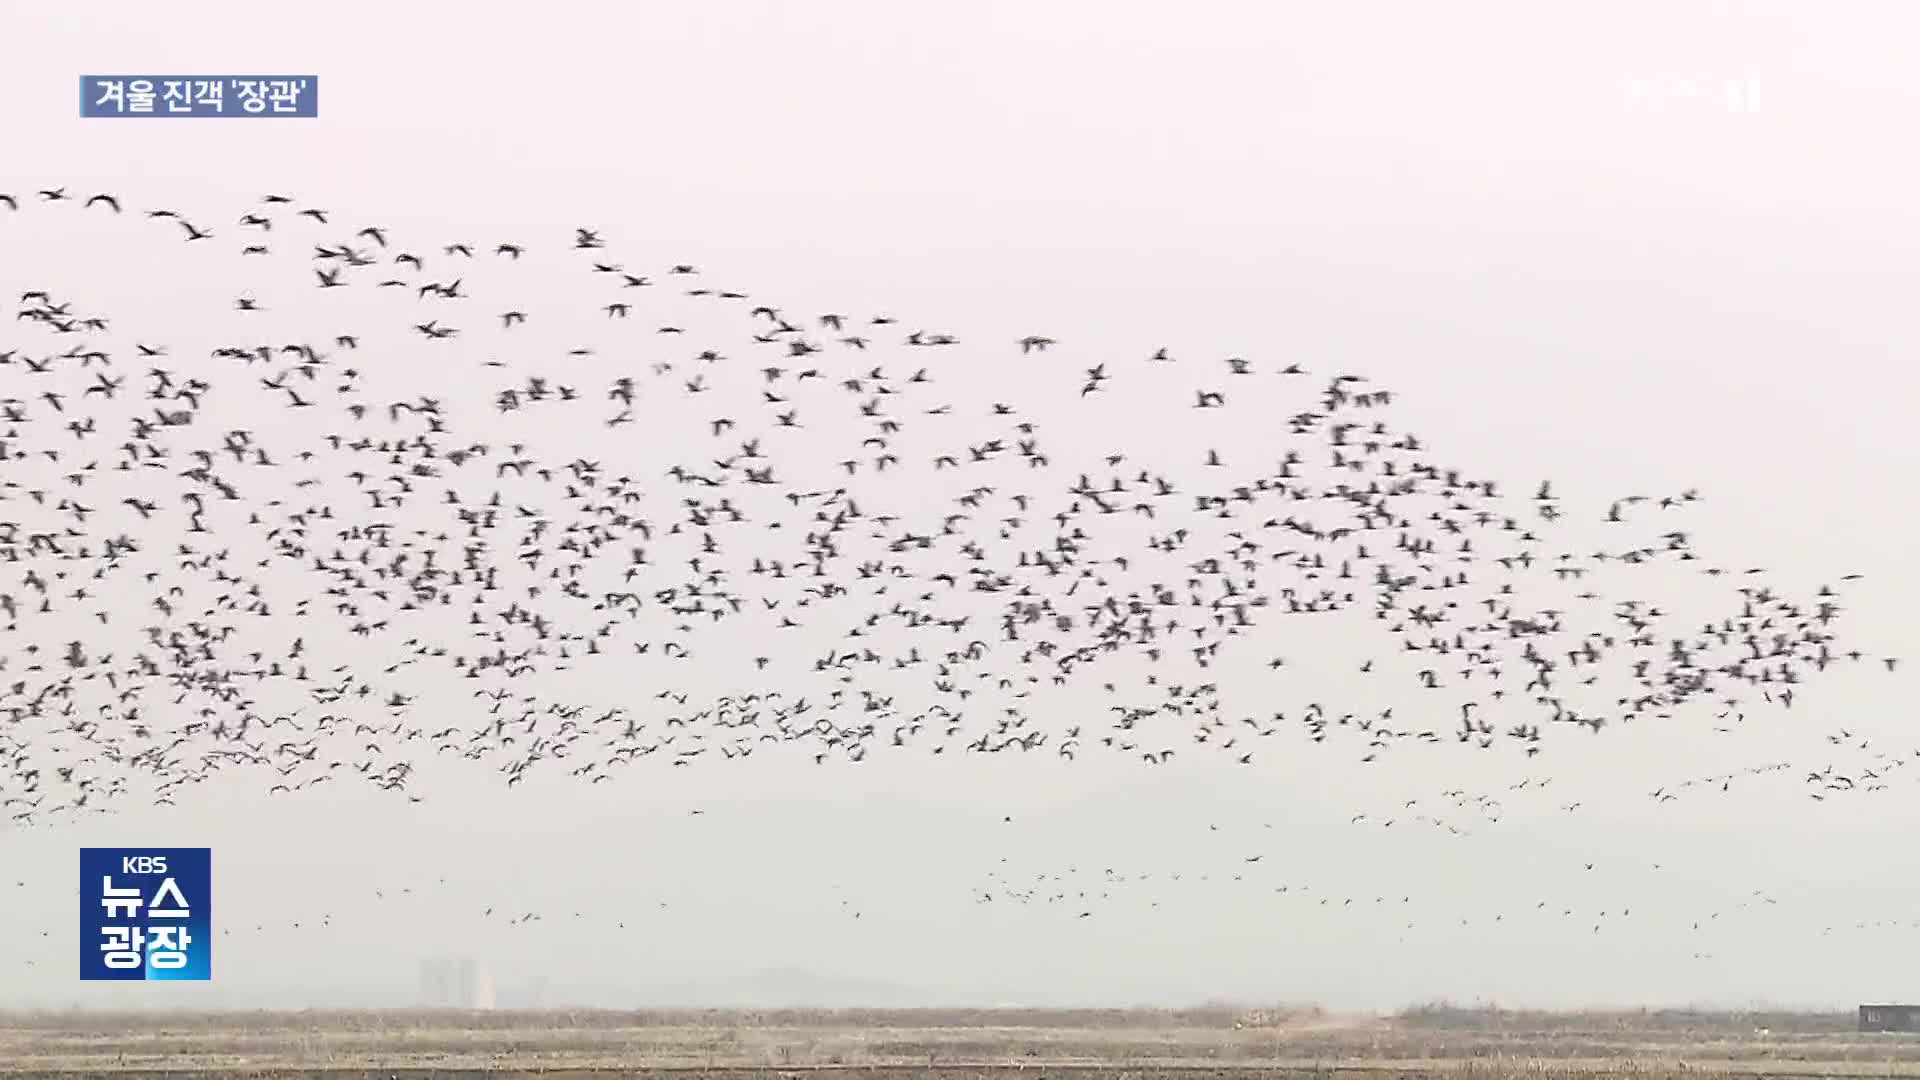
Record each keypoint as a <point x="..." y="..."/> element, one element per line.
<point x="949" y="1043"/>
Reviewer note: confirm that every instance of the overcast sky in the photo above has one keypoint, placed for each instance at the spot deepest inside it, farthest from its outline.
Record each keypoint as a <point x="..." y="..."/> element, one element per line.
<point x="1637" y="247"/>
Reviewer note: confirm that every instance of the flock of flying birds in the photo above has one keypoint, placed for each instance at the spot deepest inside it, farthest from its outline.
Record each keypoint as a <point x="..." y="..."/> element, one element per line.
<point x="400" y="505"/>
<point x="1707" y="918"/>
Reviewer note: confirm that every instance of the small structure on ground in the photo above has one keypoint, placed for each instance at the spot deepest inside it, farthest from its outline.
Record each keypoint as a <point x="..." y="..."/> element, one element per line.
<point x="1890" y="1018"/>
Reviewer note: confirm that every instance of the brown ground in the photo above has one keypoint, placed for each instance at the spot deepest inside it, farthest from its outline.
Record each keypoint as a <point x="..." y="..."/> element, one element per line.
<point x="1297" y="1044"/>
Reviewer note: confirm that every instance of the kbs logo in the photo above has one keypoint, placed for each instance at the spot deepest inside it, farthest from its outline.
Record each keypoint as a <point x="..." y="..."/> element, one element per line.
<point x="146" y="914"/>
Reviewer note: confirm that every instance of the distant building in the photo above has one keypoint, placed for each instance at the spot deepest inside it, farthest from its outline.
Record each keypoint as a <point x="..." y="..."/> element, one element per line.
<point x="1890" y="1018"/>
<point x="483" y="990"/>
<point x="454" y="982"/>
